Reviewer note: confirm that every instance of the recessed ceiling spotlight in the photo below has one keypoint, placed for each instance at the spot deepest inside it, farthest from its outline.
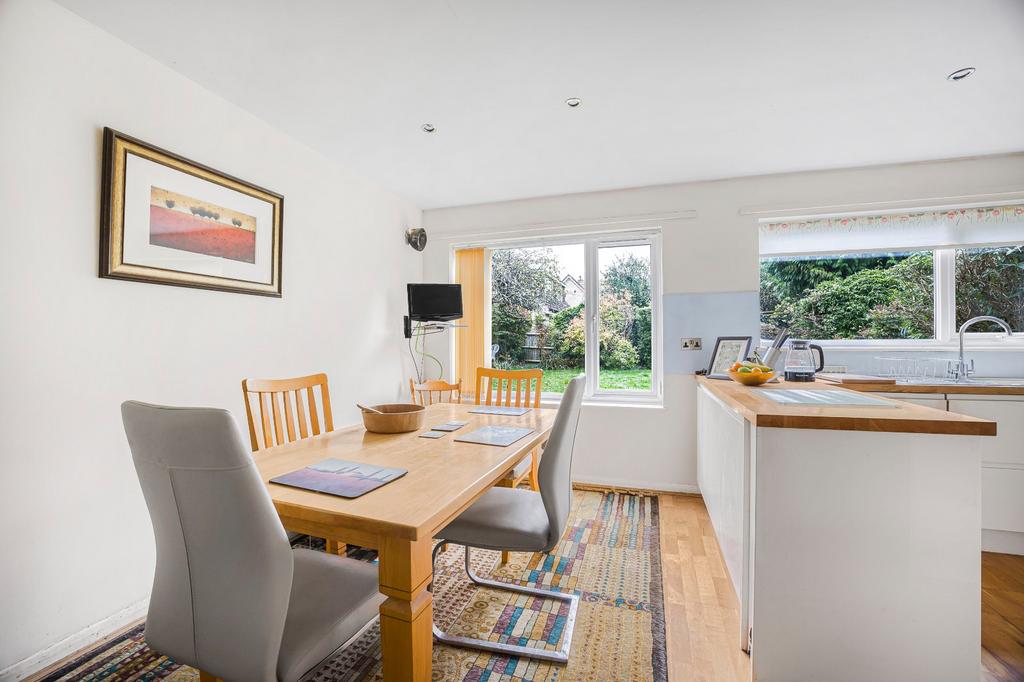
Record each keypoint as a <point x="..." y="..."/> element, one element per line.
<point x="428" y="127"/>
<point x="961" y="74"/>
<point x="574" y="102"/>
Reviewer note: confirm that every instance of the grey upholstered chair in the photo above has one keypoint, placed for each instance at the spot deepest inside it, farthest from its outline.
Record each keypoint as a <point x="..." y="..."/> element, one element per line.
<point x="230" y="596"/>
<point x="524" y="521"/>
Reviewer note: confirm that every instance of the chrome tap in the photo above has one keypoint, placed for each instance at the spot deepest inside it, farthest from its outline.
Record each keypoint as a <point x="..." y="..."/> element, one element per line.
<point x="962" y="370"/>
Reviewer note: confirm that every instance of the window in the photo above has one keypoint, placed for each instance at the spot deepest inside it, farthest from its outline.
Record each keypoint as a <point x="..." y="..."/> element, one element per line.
<point x="586" y="306"/>
<point x="849" y="296"/>
<point x="624" y="317"/>
<point x="913" y="278"/>
<point x="990" y="281"/>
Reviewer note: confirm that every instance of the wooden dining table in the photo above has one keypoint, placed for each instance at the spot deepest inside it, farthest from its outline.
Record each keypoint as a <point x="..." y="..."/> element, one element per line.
<point x="400" y="518"/>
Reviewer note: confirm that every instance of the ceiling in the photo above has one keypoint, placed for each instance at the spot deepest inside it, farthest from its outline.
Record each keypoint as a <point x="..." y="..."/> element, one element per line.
<point x="672" y="91"/>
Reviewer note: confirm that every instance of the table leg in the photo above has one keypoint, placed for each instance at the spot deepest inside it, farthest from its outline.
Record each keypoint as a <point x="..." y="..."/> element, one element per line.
<point x="407" y="615"/>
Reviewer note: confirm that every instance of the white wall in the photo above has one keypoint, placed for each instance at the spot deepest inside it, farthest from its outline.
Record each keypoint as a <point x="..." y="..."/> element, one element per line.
<point x="706" y="255"/>
<point x="76" y="538"/>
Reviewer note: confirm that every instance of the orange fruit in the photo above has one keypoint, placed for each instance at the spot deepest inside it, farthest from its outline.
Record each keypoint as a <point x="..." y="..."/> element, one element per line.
<point x="755" y="370"/>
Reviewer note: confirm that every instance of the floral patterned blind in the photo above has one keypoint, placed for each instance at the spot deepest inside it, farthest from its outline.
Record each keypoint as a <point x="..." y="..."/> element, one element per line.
<point x="918" y="229"/>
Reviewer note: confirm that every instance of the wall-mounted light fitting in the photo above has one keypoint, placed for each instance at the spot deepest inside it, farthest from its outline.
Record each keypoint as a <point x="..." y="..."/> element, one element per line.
<point x="416" y="237"/>
<point x="574" y="102"/>
<point x="428" y="127"/>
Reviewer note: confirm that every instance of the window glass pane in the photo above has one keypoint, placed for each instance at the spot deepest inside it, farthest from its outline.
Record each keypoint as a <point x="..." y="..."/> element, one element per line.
<point x="625" y="317"/>
<point x="537" y="297"/>
<point x="854" y="296"/>
<point x="990" y="281"/>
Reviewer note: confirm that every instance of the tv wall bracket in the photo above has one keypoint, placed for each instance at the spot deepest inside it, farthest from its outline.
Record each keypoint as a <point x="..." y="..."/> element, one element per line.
<point x="423" y="328"/>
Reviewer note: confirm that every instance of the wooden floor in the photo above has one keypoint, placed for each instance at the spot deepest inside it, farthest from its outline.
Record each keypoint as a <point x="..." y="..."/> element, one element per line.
<point x="1002" y="617"/>
<point x="702" y="614"/>
<point x="701" y="610"/>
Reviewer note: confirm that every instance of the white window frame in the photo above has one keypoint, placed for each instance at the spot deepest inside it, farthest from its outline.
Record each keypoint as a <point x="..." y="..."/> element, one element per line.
<point x="944" y="323"/>
<point x="591" y="243"/>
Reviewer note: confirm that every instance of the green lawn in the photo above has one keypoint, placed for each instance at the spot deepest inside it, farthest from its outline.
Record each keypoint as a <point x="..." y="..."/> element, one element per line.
<point x="555" y="380"/>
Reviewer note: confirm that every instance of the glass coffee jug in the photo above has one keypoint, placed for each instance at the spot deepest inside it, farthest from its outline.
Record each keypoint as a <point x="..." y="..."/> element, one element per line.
<point x="800" y="365"/>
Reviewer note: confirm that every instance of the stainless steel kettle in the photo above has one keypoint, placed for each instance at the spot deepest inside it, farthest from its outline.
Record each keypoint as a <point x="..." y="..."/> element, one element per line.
<point x="800" y="365"/>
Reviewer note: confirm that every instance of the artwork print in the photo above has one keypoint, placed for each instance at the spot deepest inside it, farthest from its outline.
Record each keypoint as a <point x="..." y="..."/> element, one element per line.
<point x="168" y="220"/>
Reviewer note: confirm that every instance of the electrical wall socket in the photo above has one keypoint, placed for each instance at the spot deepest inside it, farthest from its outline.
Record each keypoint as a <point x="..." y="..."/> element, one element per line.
<point x="689" y="344"/>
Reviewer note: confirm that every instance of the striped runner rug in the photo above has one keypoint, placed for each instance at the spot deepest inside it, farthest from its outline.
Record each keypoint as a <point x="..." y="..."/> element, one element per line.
<point x="609" y="556"/>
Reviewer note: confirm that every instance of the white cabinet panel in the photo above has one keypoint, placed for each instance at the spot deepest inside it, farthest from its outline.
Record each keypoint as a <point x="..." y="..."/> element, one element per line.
<point x="723" y="474"/>
<point x="1002" y="499"/>
<point x="1008" y="444"/>
<point x="1002" y="462"/>
<point x="936" y="401"/>
<point x="722" y="456"/>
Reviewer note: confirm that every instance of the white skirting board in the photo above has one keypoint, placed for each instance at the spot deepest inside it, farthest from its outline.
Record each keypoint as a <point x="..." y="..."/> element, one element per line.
<point x="652" y="486"/>
<point x="1002" y="541"/>
<point x="74" y="642"/>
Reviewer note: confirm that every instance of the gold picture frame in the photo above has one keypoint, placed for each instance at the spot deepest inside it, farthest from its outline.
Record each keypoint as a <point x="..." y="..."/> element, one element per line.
<point x="165" y="219"/>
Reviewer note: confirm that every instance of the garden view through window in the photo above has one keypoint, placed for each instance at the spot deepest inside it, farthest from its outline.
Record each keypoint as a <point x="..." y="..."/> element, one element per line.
<point x="538" y="305"/>
<point x="889" y="295"/>
<point x="990" y="281"/>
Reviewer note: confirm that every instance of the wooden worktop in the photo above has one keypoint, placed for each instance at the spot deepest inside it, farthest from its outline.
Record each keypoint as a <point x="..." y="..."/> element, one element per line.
<point x="953" y="389"/>
<point x="902" y="418"/>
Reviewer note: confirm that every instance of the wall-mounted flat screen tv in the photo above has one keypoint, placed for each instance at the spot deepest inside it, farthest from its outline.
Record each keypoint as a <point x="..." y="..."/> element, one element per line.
<point x="435" y="302"/>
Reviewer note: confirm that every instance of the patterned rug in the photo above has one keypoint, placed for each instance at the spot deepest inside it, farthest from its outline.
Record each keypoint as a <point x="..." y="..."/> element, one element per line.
<point x="609" y="556"/>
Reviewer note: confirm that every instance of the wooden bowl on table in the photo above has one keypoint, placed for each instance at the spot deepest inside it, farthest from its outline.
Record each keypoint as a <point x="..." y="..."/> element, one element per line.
<point x="393" y="418"/>
<point x="751" y="378"/>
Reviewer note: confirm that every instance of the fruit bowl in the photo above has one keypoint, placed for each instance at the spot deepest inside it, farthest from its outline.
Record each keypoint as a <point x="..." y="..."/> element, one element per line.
<point x="751" y="378"/>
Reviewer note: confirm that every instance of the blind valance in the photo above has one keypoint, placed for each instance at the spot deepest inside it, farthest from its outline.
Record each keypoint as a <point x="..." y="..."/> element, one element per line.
<point x="917" y="230"/>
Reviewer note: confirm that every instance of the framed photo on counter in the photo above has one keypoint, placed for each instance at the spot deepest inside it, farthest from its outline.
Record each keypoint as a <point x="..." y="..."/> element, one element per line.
<point x="728" y="351"/>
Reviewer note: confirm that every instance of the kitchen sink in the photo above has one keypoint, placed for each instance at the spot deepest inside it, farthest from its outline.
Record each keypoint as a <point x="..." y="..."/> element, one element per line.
<point x="986" y="381"/>
<point x="973" y="381"/>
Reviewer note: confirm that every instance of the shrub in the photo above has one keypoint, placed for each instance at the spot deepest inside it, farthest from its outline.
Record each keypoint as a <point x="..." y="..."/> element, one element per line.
<point x="572" y="344"/>
<point x="508" y="329"/>
<point x="642" y="336"/>
<point x="617" y="352"/>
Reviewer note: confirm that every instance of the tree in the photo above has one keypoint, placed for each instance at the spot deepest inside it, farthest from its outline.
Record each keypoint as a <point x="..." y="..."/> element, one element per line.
<point x="508" y="329"/>
<point x="526" y="279"/>
<point x="523" y="281"/>
<point x="911" y="313"/>
<point x="629" y="273"/>
<point x="990" y="281"/>
<point x="888" y="301"/>
<point x="876" y="296"/>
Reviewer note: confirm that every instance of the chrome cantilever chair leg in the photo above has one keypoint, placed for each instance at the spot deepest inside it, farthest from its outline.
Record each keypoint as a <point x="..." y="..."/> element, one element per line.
<point x="559" y="656"/>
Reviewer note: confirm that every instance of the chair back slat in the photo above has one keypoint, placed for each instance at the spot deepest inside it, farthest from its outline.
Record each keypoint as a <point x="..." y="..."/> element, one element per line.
<point x="325" y="398"/>
<point x="435" y="391"/>
<point x="300" y="410"/>
<point x="314" y="420"/>
<point x="275" y="400"/>
<point x="525" y="382"/>
<point x="265" y="419"/>
<point x="289" y="418"/>
<point x="279" y="426"/>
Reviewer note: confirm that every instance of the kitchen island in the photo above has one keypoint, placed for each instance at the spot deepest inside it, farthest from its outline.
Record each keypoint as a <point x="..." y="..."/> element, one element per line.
<point x="1002" y="457"/>
<point x="850" y="532"/>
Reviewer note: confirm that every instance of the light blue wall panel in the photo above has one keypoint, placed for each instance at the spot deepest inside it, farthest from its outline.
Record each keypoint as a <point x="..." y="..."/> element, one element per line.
<point x="708" y="316"/>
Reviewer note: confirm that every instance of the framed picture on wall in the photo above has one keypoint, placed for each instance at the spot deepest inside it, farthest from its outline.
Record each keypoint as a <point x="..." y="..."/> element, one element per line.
<point x="168" y="220"/>
<point x="728" y="351"/>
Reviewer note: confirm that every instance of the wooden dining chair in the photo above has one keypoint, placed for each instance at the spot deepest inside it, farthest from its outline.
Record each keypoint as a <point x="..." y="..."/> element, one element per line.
<point x="497" y="387"/>
<point x="435" y="391"/>
<point x="500" y="384"/>
<point x="282" y="406"/>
